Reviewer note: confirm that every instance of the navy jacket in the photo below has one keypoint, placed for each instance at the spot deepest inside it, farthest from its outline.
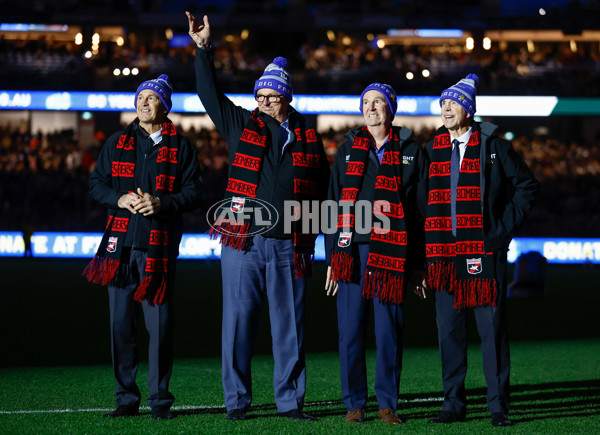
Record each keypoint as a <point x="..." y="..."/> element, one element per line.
<point x="276" y="177"/>
<point x="413" y="192"/>
<point x="186" y="196"/>
<point x="508" y="187"/>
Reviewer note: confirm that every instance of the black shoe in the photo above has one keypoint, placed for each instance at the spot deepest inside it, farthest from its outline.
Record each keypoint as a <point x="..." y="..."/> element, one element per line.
<point x="236" y="414"/>
<point x="123" y="411"/>
<point x="162" y="414"/>
<point x="500" y="419"/>
<point x="296" y="414"/>
<point x="447" y="417"/>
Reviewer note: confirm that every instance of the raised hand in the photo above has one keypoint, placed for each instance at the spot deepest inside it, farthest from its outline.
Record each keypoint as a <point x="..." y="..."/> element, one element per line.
<point x="199" y="32"/>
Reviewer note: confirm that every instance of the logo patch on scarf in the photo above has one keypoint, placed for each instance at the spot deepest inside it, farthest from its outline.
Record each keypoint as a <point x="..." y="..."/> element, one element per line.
<point x="344" y="239"/>
<point x="474" y="266"/>
<point x="111" y="246"/>
<point x="237" y="204"/>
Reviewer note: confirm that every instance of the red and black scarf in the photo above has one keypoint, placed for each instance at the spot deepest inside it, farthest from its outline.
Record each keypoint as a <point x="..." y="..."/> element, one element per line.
<point x="103" y="267"/>
<point x="458" y="264"/>
<point x="244" y="176"/>
<point x="384" y="276"/>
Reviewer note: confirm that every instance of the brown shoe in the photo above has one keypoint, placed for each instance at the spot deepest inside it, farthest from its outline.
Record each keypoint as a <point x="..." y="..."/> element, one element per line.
<point x="355" y="416"/>
<point x="389" y="416"/>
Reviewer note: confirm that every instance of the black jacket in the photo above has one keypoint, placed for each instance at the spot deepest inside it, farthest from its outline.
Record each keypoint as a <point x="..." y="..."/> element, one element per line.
<point x="508" y="187"/>
<point x="276" y="177"/>
<point x="186" y="196"/>
<point x="413" y="192"/>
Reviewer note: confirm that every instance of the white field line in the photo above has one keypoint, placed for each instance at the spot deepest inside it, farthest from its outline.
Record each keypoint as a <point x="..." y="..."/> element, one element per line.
<point x="184" y="407"/>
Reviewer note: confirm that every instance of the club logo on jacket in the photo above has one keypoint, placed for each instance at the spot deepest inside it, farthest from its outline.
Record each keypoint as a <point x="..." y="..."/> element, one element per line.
<point x="474" y="266"/>
<point x="112" y="244"/>
<point x="344" y="239"/>
<point x="237" y="204"/>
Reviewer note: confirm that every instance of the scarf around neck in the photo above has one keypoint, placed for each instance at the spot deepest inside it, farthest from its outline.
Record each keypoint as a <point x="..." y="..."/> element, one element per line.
<point x="103" y="267"/>
<point x="458" y="264"/>
<point x="234" y="228"/>
<point x="384" y="276"/>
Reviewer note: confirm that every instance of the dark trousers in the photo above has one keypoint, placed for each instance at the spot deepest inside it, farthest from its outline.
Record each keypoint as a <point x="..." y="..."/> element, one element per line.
<point x="452" y="335"/>
<point x="267" y="270"/>
<point x="124" y="313"/>
<point x="353" y="318"/>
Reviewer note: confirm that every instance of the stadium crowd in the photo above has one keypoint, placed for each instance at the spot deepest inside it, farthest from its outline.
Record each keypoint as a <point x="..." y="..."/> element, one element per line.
<point x="44" y="181"/>
<point x="341" y="65"/>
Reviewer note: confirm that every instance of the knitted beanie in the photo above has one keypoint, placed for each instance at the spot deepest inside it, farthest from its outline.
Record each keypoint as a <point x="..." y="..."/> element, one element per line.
<point x="277" y="78"/>
<point x="388" y="93"/>
<point x="463" y="93"/>
<point x="161" y="86"/>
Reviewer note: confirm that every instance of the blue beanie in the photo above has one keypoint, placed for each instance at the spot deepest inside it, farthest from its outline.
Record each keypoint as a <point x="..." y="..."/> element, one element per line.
<point x="388" y="93"/>
<point x="277" y="78"/>
<point x="463" y="93"/>
<point x="163" y="88"/>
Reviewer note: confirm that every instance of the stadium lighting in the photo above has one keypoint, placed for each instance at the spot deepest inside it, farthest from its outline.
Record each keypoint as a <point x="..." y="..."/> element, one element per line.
<point x="126" y="71"/>
<point x="78" y="39"/>
<point x="487" y="43"/>
<point x="542" y="11"/>
<point x="116" y="72"/>
<point x="135" y="71"/>
<point x="410" y="75"/>
<point x="573" y="45"/>
<point x="425" y="73"/>
<point x="470" y="43"/>
<point x="88" y="54"/>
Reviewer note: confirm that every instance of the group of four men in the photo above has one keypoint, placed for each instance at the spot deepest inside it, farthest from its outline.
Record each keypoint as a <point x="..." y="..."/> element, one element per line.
<point x="448" y="211"/>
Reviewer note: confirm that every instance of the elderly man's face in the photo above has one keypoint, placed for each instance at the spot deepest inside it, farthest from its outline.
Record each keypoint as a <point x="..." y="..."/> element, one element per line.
<point x="376" y="110"/>
<point x="272" y="103"/>
<point x="149" y="108"/>
<point x="454" y="117"/>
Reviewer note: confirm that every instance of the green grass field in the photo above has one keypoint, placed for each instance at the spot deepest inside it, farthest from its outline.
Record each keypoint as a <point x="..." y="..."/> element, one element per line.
<point x="55" y="374"/>
<point x="556" y="389"/>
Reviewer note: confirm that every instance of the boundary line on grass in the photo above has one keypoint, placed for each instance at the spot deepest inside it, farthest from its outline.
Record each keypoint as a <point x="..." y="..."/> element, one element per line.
<point x="188" y="407"/>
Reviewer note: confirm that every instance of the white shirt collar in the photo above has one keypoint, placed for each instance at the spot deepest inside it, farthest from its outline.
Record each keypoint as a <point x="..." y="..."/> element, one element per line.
<point x="464" y="138"/>
<point x="156" y="136"/>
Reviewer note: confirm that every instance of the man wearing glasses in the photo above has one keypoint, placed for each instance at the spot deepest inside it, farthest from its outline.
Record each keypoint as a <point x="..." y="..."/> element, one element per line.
<point x="275" y="157"/>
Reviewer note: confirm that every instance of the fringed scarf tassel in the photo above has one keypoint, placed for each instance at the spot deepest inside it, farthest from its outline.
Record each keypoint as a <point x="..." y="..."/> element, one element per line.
<point x="475" y="293"/>
<point x="234" y="236"/>
<point x="303" y="263"/>
<point x="441" y="275"/>
<point x="342" y="266"/>
<point x="152" y="290"/>
<point x="101" y="270"/>
<point x="388" y="287"/>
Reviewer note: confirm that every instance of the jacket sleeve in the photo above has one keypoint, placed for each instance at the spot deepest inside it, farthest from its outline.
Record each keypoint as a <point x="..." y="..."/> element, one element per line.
<point x="189" y="195"/>
<point x="333" y="194"/>
<point x="524" y="187"/>
<point x="416" y="209"/>
<point x="100" y="182"/>
<point x="227" y="117"/>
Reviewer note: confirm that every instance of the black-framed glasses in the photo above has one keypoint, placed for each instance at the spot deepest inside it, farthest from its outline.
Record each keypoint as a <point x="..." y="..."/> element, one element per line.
<point x="273" y="98"/>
